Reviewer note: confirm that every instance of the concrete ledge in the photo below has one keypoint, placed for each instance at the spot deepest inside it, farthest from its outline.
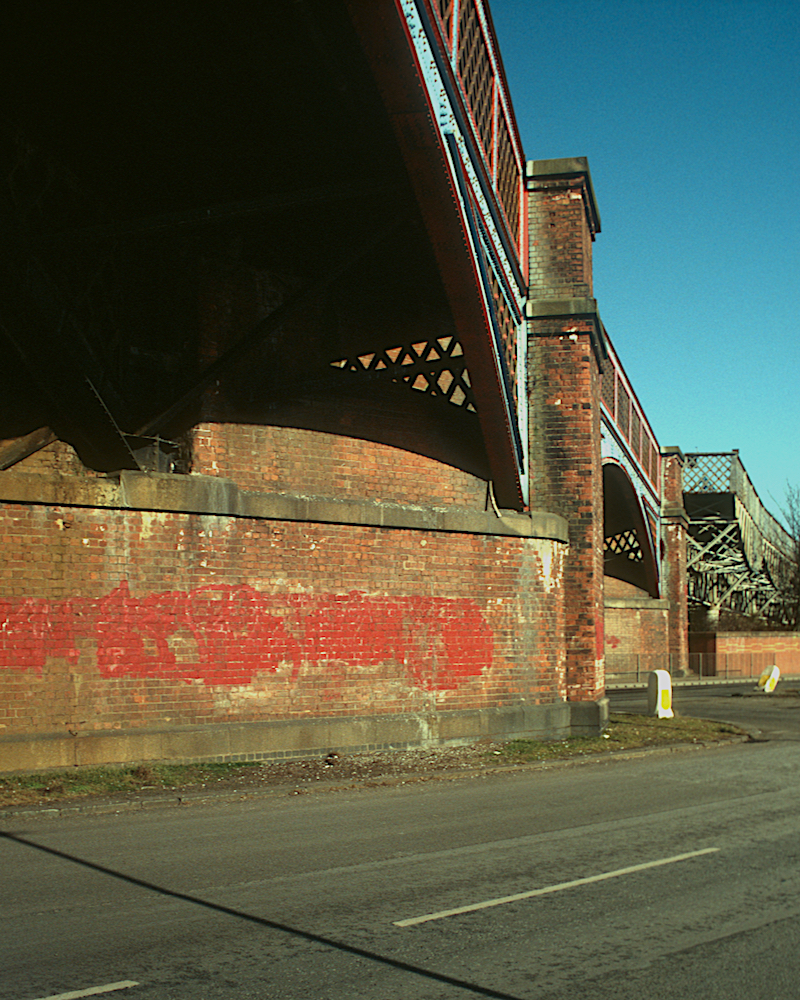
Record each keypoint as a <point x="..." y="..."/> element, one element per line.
<point x="190" y="494"/>
<point x="298" y="738"/>
<point x="638" y="603"/>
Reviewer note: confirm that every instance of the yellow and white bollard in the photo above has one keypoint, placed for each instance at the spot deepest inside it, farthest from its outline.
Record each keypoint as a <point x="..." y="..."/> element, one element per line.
<point x="769" y="679"/>
<point x="659" y="694"/>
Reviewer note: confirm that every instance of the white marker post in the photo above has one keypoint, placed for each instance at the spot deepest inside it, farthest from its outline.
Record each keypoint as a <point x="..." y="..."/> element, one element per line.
<point x="769" y="679"/>
<point x="659" y="694"/>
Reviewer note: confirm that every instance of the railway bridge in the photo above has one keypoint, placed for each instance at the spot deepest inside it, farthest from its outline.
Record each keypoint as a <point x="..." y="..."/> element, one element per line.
<point x="311" y="435"/>
<point x="741" y="560"/>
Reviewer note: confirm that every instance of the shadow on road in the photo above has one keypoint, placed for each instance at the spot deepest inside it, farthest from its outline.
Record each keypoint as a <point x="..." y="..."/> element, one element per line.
<point x="272" y="924"/>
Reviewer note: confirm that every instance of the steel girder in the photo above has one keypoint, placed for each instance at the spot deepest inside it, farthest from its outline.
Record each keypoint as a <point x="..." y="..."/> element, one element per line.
<point x="739" y="557"/>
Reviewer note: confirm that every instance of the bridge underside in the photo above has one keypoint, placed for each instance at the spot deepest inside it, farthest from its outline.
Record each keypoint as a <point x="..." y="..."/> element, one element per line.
<point x="159" y="168"/>
<point x="628" y="548"/>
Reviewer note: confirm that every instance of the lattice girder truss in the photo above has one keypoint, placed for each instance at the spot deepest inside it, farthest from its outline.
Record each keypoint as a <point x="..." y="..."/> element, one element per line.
<point x="740" y="557"/>
<point x="720" y="576"/>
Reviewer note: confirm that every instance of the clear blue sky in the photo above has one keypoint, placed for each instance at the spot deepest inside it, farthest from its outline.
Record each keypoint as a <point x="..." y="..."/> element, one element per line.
<point x="689" y="114"/>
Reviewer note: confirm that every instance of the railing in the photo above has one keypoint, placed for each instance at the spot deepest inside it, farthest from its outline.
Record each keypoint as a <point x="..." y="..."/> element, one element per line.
<point x="634" y="668"/>
<point x="624" y="410"/>
<point x="467" y="37"/>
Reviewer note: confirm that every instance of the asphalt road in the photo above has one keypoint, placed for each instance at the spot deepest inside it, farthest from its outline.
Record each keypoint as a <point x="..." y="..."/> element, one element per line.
<point x="668" y="875"/>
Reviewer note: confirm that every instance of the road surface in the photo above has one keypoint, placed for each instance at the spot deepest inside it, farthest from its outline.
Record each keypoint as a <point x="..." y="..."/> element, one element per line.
<point x="667" y="875"/>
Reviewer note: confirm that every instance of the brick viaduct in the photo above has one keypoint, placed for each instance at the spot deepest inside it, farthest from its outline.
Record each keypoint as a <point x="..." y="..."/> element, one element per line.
<point x="312" y="435"/>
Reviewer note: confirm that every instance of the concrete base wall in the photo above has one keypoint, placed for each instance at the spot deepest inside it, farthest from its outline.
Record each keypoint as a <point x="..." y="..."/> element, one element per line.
<point x="300" y="738"/>
<point x="588" y="718"/>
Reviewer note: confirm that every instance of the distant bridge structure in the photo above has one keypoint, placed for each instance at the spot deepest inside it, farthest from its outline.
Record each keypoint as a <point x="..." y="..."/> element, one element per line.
<point x="740" y="558"/>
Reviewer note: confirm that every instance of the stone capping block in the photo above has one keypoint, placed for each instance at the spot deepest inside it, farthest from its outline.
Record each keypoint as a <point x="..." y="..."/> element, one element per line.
<point x="549" y="308"/>
<point x="638" y="603"/>
<point x="193" y="494"/>
<point x="570" y="309"/>
<point x="567" y="167"/>
<point x="674" y="510"/>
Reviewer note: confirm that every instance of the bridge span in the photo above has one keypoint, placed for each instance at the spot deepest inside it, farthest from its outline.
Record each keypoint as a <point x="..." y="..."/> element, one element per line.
<point x="311" y="434"/>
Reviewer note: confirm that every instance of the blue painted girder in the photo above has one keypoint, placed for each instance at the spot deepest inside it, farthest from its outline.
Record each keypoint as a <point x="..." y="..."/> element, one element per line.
<point x="469" y="237"/>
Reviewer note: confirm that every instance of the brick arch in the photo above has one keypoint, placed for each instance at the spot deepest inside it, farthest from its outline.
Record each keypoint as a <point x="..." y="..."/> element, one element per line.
<point x="628" y="551"/>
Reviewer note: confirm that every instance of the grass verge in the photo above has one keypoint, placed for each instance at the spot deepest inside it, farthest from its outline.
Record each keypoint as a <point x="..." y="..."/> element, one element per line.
<point x="625" y="732"/>
<point x="83" y="783"/>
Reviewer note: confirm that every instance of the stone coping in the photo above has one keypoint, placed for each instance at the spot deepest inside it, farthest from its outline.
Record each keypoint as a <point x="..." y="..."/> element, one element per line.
<point x="567" y="167"/>
<point x="195" y="494"/>
<point x="638" y="603"/>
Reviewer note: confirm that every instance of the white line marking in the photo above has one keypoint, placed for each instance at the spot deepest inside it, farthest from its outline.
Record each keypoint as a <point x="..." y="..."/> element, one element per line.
<point x="93" y="991"/>
<point x="551" y="888"/>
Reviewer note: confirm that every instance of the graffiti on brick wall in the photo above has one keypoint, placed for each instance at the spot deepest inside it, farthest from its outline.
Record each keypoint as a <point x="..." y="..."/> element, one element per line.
<point x="226" y="635"/>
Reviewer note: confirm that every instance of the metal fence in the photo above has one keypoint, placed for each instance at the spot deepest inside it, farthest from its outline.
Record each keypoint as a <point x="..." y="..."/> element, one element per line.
<point x="634" y="668"/>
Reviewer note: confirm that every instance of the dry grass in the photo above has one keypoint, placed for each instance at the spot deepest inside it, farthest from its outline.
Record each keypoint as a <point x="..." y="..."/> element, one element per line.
<point x="82" y="783"/>
<point x="625" y="732"/>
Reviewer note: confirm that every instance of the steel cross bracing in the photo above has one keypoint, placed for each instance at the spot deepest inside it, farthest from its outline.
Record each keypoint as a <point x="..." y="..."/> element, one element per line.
<point x="739" y="557"/>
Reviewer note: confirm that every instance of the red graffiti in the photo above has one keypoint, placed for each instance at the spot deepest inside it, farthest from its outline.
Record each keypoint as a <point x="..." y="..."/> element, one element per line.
<point x="226" y="635"/>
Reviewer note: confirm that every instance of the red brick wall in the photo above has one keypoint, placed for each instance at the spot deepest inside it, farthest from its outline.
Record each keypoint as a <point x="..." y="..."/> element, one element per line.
<point x="117" y="619"/>
<point x="57" y="459"/>
<point x="564" y="407"/>
<point x="744" y="654"/>
<point x="614" y="588"/>
<point x="566" y="477"/>
<point x="280" y="459"/>
<point x="128" y="619"/>
<point x="560" y="239"/>
<point x="636" y="640"/>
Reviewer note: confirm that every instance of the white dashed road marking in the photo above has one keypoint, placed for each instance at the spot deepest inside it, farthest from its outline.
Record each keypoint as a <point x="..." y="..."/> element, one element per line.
<point x="92" y="991"/>
<point x="500" y="901"/>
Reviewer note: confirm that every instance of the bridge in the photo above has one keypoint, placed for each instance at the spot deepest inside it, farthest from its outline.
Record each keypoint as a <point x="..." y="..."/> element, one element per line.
<point x="741" y="560"/>
<point x="631" y="484"/>
<point x="311" y="434"/>
<point x="353" y="139"/>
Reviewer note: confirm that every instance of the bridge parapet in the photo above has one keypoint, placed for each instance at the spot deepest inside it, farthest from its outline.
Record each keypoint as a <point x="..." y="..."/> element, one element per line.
<point x="624" y="416"/>
<point x="450" y="107"/>
<point x="763" y="536"/>
<point x="467" y="38"/>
